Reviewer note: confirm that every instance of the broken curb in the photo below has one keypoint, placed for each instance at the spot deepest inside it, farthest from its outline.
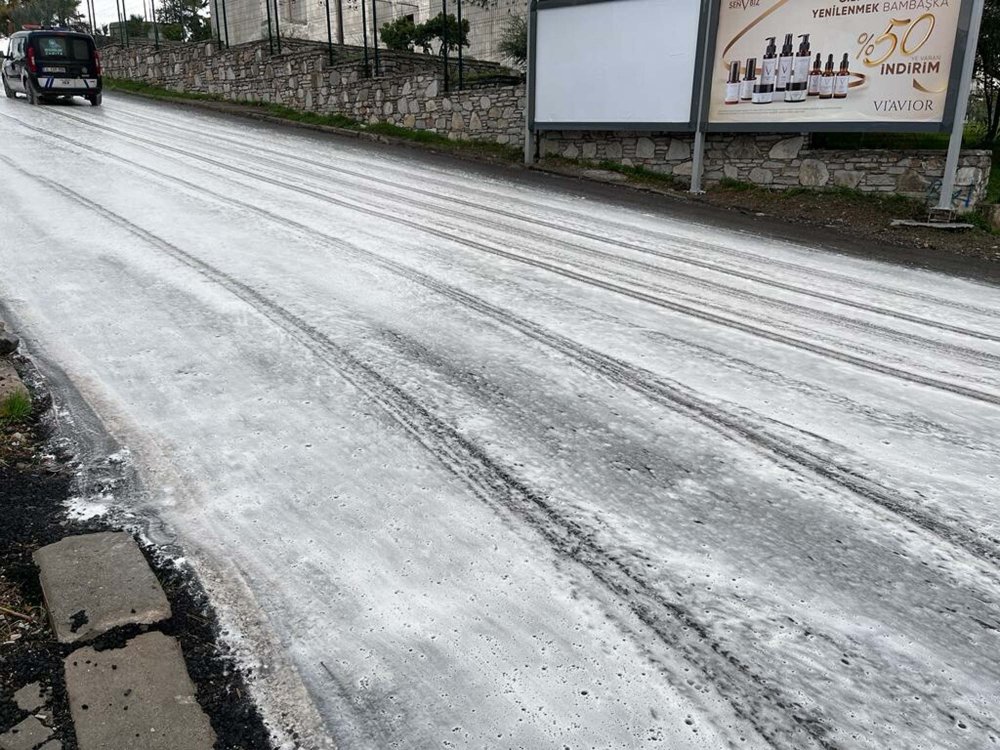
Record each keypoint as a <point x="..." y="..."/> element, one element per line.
<point x="139" y="696"/>
<point x="96" y="582"/>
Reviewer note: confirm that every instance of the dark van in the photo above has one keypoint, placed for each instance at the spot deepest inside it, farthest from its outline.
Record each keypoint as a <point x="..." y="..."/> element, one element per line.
<point x="50" y="64"/>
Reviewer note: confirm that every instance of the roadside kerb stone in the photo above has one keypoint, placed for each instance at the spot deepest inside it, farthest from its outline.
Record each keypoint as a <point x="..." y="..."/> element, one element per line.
<point x="27" y="735"/>
<point x="10" y="382"/>
<point x="95" y="582"/>
<point x="139" y="696"/>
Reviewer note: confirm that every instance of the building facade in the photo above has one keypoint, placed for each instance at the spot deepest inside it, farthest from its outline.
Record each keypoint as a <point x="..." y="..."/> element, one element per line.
<point x="247" y="20"/>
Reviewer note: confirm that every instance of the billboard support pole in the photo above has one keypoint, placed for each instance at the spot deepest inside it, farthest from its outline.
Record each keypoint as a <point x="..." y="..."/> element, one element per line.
<point x="698" y="159"/>
<point x="961" y="109"/>
<point x="698" y="155"/>
<point x="529" y="88"/>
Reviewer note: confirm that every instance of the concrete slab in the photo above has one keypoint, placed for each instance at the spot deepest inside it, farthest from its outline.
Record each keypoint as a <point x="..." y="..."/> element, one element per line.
<point x="51" y="745"/>
<point x="30" y="697"/>
<point x="139" y="696"/>
<point x="95" y="582"/>
<point x="27" y="735"/>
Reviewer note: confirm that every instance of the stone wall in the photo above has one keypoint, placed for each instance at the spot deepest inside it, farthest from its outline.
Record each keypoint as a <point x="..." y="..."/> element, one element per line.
<point x="781" y="162"/>
<point x="302" y="77"/>
<point x="410" y="93"/>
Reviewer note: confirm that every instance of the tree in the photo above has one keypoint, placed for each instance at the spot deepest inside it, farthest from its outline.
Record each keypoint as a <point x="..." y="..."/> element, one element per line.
<point x="17" y="13"/>
<point x="435" y="29"/>
<point x="398" y="35"/>
<point x="184" y="20"/>
<point x="137" y="27"/>
<point x="402" y="34"/>
<point x="514" y="40"/>
<point x="988" y="71"/>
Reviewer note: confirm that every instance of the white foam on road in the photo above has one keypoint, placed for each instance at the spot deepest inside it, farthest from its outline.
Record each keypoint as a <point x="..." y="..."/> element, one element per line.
<point x="480" y="464"/>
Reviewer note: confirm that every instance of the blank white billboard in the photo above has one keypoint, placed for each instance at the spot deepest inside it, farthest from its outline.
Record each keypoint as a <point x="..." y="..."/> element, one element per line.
<point x="620" y="61"/>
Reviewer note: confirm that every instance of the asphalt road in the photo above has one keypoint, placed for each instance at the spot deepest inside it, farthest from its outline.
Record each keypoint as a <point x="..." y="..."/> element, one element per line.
<point x="471" y="460"/>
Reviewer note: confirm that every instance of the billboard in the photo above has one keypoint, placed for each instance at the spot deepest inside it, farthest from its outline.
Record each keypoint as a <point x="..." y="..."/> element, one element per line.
<point x="604" y="64"/>
<point x="822" y="62"/>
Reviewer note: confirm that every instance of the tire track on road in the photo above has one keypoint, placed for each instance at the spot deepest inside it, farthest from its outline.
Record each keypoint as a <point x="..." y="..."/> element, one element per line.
<point x="749" y="430"/>
<point x="673" y="240"/>
<point x="774" y="715"/>
<point x="253" y="157"/>
<point x="683" y="309"/>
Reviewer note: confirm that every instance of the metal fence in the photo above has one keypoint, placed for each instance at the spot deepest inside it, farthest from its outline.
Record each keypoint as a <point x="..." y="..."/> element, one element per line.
<point x="463" y="39"/>
<point x="468" y="49"/>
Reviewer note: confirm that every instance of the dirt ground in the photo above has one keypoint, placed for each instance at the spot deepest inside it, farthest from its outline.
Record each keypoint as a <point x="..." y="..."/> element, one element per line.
<point x="858" y="216"/>
<point x="841" y="214"/>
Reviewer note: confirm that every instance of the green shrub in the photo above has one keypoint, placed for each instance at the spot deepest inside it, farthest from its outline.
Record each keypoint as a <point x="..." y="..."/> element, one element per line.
<point x="514" y="41"/>
<point x="399" y="35"/>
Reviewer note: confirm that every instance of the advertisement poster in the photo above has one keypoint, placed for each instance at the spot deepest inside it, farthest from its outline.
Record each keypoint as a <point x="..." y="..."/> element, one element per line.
<point x="824" y="61"/>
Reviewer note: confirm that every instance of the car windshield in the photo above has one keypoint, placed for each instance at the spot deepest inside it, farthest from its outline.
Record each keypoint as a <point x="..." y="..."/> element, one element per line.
<point x="64" y="47"/>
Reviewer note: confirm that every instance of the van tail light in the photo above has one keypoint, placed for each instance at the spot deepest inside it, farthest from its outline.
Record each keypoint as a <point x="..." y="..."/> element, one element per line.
<point x="32" y="68"/>
<point x="97" y="63"/>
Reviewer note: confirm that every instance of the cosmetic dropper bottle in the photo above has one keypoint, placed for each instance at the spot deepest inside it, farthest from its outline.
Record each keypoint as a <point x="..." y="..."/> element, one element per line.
<point x="769" y="64"/>
<point x="826" y="82"/>
<point x="815" y="75"/>
<point x="843" y="79"/>
<point x="733" y="85"/>
<point x="800" y="66"/>
<point x="785" y="64"/>
<point x="749" y="79"/>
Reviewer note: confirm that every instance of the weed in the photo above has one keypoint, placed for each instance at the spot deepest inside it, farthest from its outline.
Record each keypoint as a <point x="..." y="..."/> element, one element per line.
<point x="15" y="406"/>
<point x="736" y="186"/>
<point x="640" y="174"/>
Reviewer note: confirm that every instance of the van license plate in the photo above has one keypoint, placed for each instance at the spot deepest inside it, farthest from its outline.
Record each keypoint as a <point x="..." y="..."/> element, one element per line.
<point x="53" y="70"/>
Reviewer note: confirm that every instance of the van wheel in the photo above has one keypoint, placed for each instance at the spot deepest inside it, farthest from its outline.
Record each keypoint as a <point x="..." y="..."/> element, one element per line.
<point x="95" y="99"/>
<point x="6" y="88"/>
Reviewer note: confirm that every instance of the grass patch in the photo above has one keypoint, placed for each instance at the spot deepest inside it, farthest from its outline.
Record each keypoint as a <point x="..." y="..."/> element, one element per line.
<point x="736" y="186"/>
<point x="497" y="151"/>
<point x="15" y="407"/>
<point x="640" y="174"/>
<point x="139" y="87"/>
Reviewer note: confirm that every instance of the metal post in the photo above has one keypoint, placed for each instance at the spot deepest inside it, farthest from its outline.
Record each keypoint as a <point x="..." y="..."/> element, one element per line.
<point x="961" y="109"/>
<point x="124" y="24"/>
<point x="698" y="157"/>
<point x="375" y="35"/>
<point x="270" y="36"/>
<point x="461" y="71"/>
<point x="277" y="24"/>
<point x="698" y="160"/>
<point x="218" y="26"/>
<point x="529" y="69"/>
<point x="444" y="40"/>
<point x="156" y="25"/>
<point x="340" y="21"/>
<point x="225" y="22"/>
<point x="121" y="26"/>
<point x="364" y="37"/>
<point x="329" y="32"/>
<point x="93" y="22"/>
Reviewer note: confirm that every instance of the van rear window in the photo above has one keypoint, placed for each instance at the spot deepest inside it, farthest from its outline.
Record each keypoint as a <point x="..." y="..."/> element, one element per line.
<point x="70" y="48"/>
